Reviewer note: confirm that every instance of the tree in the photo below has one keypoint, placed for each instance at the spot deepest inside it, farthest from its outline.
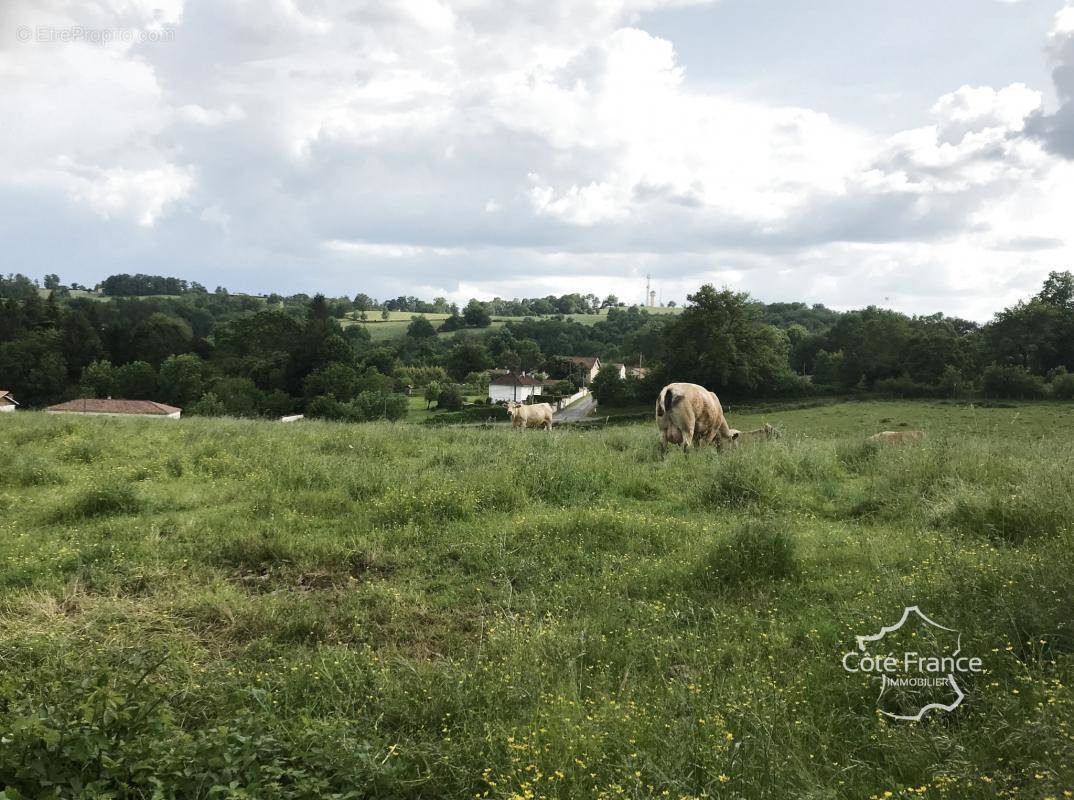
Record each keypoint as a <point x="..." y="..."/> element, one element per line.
<point x="363" y="302"/>
<point x="450" y="398"/>
<point x="611" y="301"/>
<point x="453" y="323"/>
<point x="420" y="328"/>
<point x="381" y="405"/>
<point x="239" y="396"/>
<point x="432" y="394"/>
<point x="52" y="281"/>
<point x="529" y="354"/>
<point x="79" y="342"/>
<point x="721" y="342"/>
<point x="385" y="314"/>
<point x="372" y="379"/>
<point x="33" y="369"/>
<point x="827" y="368"/>
<point x="1011" y="381"/>
<point x="383" y="359"/>
<point x="609" y="388"/>
<point x="466" y="357"/>
<point x="98" y="380"/>
<point x="476" y="315"/>
<point x="478" y="380"/>
<point x="1058" y="291"/>
<point x="182" y="379"/>
<point x="208" y="405"/>
<point x="873" y="342"/>
<point x="136" y="381"/>
<point x="159" y="336"/>
<point x="142" y="285"/>
<point x="338" y="380"/>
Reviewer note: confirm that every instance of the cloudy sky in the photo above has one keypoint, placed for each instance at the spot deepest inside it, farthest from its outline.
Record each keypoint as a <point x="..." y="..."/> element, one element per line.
<point x="918" y="155"/>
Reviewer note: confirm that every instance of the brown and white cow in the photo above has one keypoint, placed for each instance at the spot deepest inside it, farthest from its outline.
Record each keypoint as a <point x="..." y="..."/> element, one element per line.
<point x="538" y="415"/>
<point x="896" y="437"/>
<point x="686" y="412"/>
<point x="763" y="434"/>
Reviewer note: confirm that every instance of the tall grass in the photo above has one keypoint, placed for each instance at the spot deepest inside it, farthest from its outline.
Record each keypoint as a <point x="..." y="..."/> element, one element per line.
<point x="222" y="608"/>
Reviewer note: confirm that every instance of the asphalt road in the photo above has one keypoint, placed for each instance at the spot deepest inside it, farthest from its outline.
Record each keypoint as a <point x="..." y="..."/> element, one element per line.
<point x="579" y="411"/>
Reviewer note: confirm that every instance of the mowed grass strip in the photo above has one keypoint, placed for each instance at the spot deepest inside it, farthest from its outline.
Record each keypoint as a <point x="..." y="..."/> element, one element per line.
<point x="225" y="608"/>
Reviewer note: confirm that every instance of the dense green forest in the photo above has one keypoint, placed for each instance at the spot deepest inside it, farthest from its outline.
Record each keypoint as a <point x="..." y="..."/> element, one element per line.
<point x="215" y="353"/>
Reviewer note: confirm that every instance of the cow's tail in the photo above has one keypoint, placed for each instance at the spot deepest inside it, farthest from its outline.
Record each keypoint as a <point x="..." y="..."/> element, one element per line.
<point x="668" y="402"/>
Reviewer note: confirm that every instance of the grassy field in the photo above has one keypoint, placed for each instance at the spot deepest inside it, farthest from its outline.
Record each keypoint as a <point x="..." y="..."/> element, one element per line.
<point x="240" y="609"/>
<point x="417" y="410"/>
<point x="394" y="327"/>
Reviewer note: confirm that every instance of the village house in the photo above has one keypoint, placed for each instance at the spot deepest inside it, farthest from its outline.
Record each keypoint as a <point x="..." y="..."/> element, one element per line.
<point x="7" y="402"/>
<point x="519" y="387"/>
<point x="587" y="366"/>
<point x="116" y="408"/>
<point x="620" y="370"/>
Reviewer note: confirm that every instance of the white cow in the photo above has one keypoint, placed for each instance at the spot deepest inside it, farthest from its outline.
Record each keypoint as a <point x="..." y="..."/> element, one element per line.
<point x="537" y="415"/>
<point x="762" y="434"/>
<point x="685" y="412"/>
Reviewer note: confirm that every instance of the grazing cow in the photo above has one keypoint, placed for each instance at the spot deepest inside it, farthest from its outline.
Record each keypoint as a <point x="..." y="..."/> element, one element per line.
<point x="763" y="434"/>
<point x="536" y="416"/>
<point x="896" y="437"/>
<point x="685" y="412"/>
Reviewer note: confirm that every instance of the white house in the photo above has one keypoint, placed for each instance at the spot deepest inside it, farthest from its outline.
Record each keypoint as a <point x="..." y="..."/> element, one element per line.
<point x="588" y="366"/>
<point x="621" y="371"/>
<point x="116" y="408"/>
<point x="7" y="402"/>
<point x="513" y="386"/>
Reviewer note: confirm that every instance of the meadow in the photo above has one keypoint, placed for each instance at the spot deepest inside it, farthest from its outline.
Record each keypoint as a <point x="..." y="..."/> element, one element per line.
<point x="395" y="326"/>
<point x="242" y="609"/>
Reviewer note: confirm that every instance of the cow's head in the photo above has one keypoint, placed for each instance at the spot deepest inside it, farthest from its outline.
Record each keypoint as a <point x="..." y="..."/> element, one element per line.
<point x="771" y="432"/>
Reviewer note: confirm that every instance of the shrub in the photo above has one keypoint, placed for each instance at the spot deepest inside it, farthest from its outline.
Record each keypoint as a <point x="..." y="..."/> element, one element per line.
<point x="380" y="405"/>
<point x="450" y="398"/>
<point x="857" y="456"/>
<point x="1011" y="517"/>
<point x="328" y="407"/>
<point x="100" y="502"/>
<point x="755" y="551"/>
<point x="1011" y="382"/>
<point x="255" y="552"/>
<point x="29" y="470"/>
<point x="366" y="407"/>
<point x="1063" y="386"/>
<point x="906" y="387"/>
<point x="209" y="405"/>
<point x="741" y="482"/>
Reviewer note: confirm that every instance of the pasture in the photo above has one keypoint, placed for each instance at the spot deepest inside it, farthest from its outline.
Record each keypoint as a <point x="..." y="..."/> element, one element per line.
<point x="226" y="608"/>
<point x="395" y="326"/>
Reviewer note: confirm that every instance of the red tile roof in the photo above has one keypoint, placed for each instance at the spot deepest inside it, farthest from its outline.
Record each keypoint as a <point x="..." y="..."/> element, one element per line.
<point x="98" y="406"/>
<point x="513" y="379"/>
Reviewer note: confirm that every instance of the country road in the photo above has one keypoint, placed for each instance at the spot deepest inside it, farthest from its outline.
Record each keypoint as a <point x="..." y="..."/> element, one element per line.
<point x="577" y="412"/>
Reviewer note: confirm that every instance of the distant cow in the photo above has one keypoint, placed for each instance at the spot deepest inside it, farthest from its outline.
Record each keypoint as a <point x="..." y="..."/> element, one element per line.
<point x="763" y="434"/>
<point x="685" y="412"/>
<point x="896" y="437"/>
<point x="538" y="415"/>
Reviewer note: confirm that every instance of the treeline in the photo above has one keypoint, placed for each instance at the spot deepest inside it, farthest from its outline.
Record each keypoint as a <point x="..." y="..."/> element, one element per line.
<point x="726" y="342"/>
<point x="144" y="285"/>
<point x="216" y="353"/>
